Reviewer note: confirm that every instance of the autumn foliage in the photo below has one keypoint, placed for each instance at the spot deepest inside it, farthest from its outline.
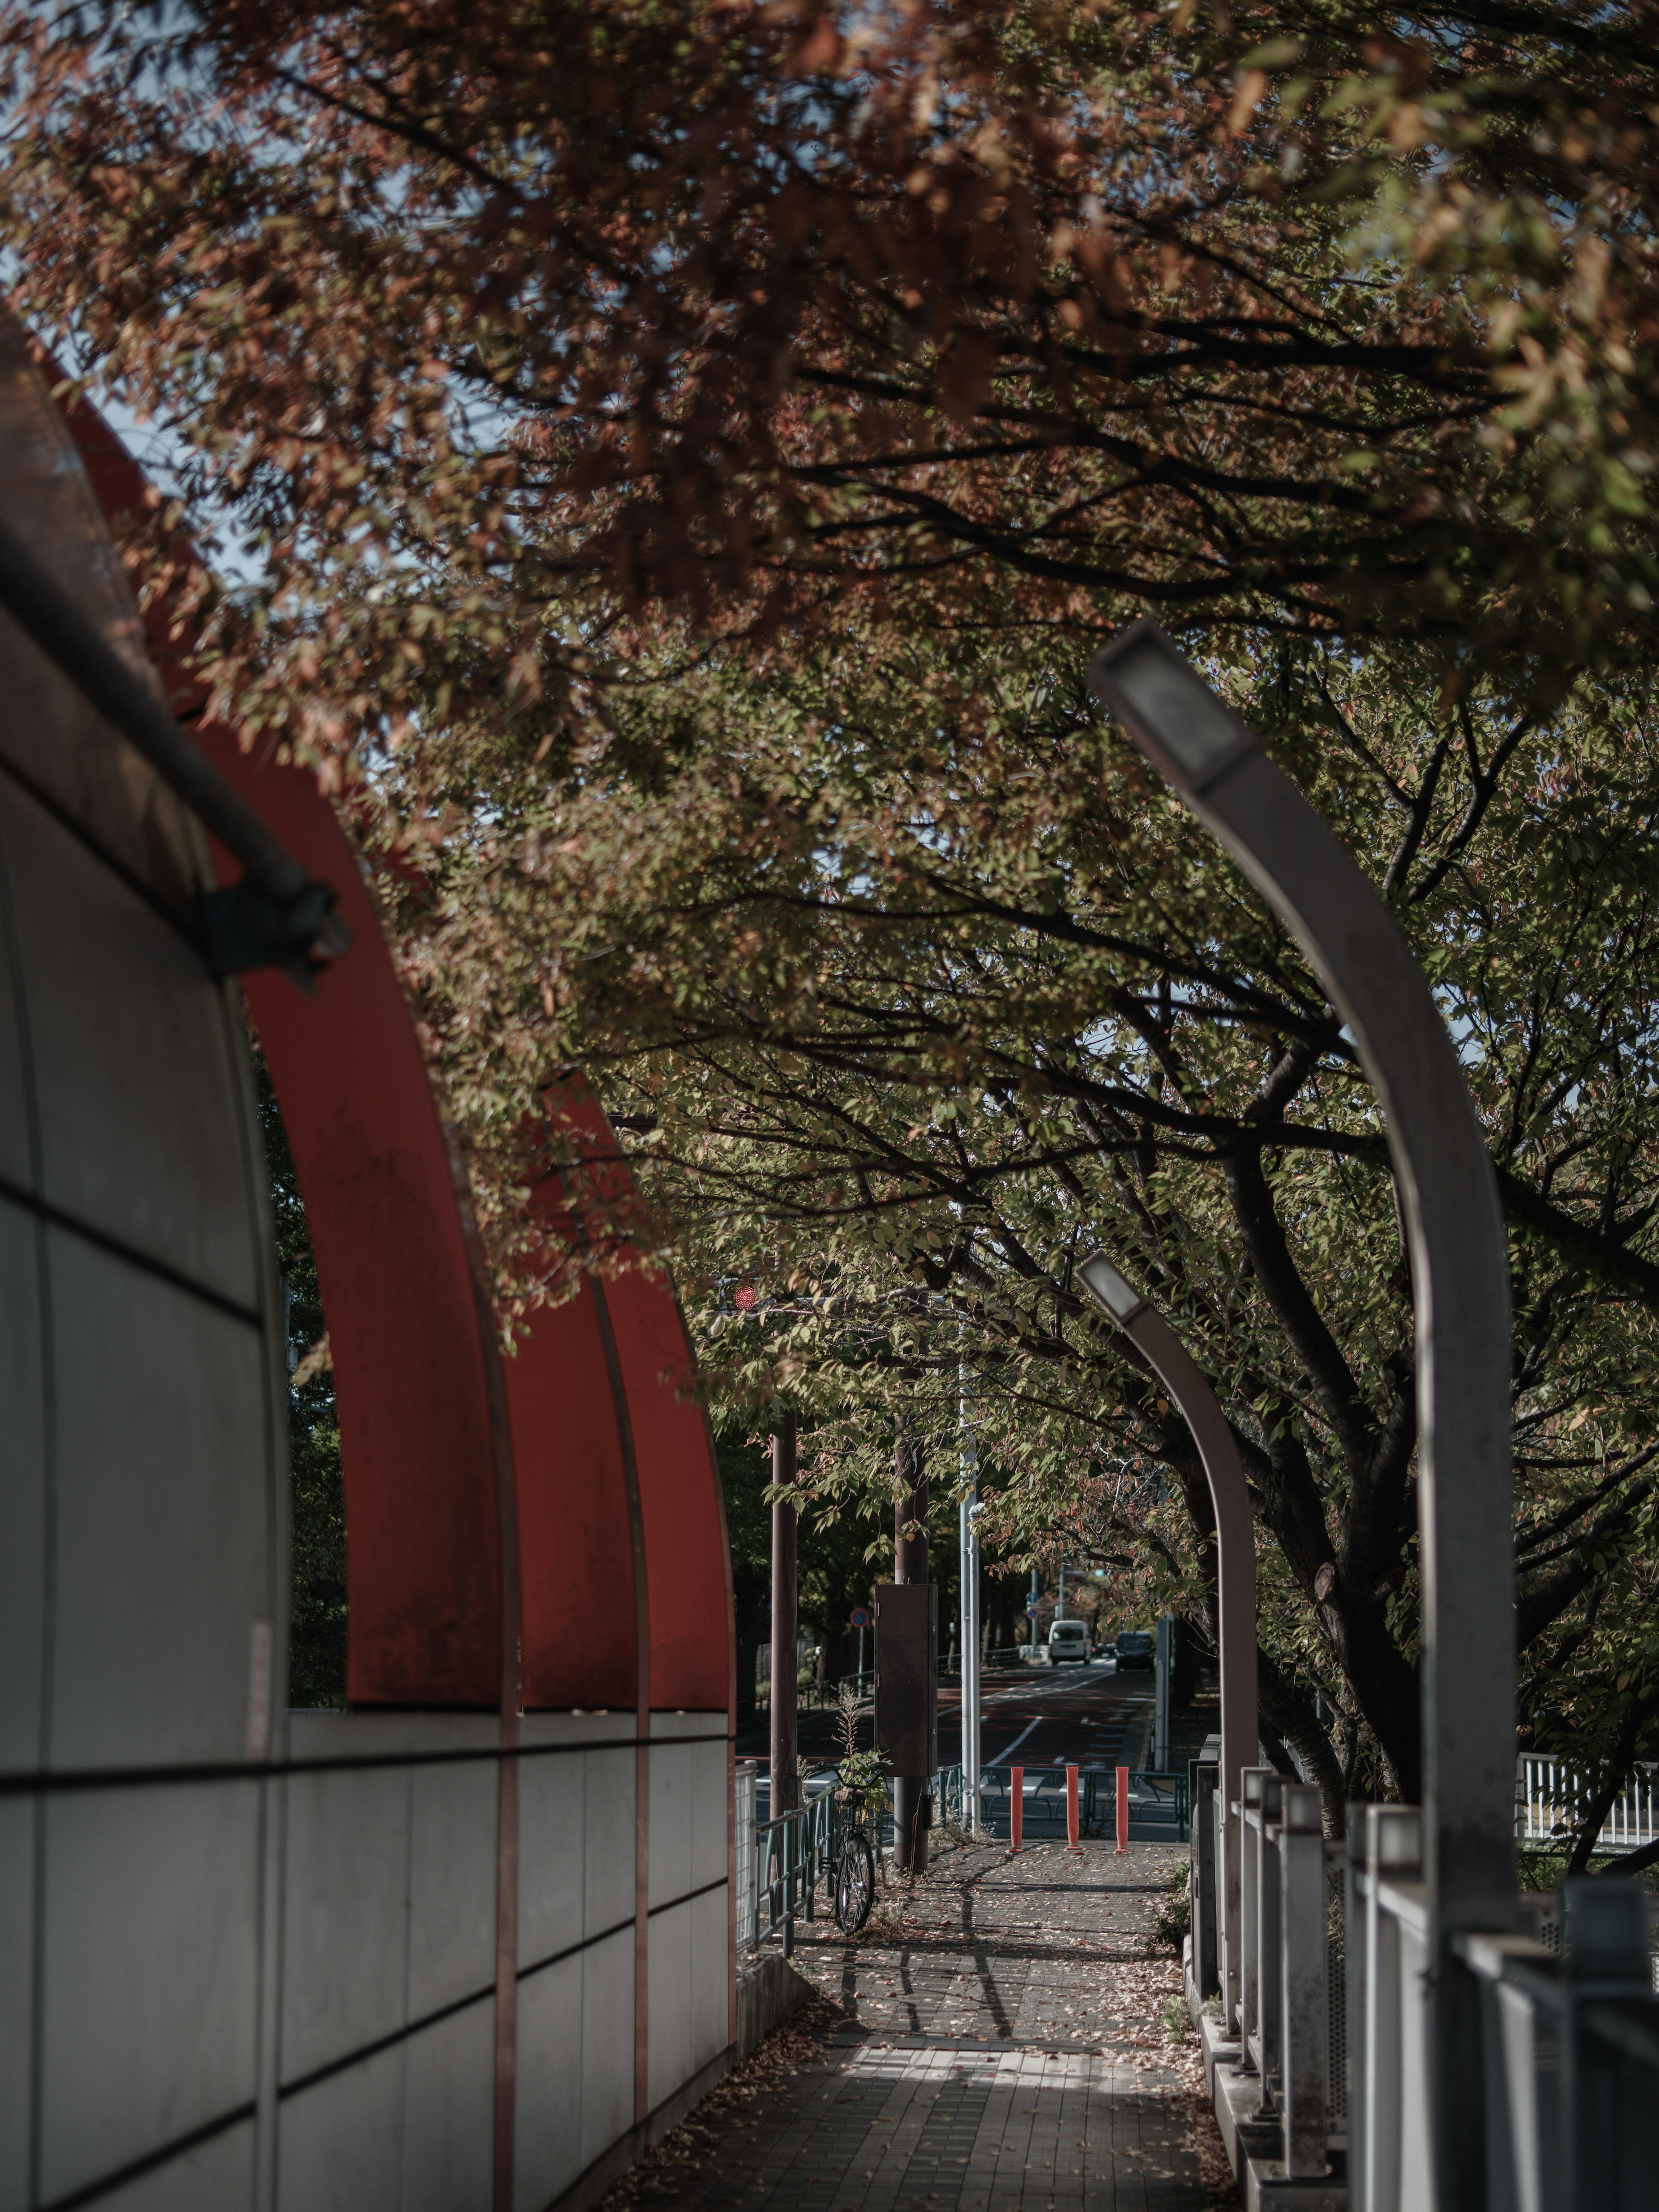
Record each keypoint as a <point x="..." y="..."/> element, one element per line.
<point x="667" y="463"/>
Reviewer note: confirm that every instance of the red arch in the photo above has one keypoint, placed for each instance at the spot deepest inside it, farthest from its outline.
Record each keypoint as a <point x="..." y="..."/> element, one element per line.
<point x="636" y="1327"/>
<point x="618" y="1493"/>
<point x="425" y="1461"/>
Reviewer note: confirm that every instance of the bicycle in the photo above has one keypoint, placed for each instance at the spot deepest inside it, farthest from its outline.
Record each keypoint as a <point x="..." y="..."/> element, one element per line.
<point x="855" y="1872"/>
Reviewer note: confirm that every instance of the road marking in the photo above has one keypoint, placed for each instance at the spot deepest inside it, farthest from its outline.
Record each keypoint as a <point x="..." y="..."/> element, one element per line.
<point x="1002" y="1757"/>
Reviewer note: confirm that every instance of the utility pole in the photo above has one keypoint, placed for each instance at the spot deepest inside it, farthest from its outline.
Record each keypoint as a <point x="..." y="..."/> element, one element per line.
<point x="968" y="1613"/>
<point x="910" y="1807"/>
<point x="785" y="1763"/>
<point x="1059" y="1602"/>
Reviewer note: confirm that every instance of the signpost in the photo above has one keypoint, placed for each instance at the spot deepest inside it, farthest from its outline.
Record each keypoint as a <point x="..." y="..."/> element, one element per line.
<point x="860" y="1621"/>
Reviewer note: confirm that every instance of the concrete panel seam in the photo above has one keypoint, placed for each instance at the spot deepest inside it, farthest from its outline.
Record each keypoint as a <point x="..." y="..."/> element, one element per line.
<point x="49" y="1781"/>
<point x="24" y="782"/>
<point x="365" y="2051"/>
<point x="669" y="1903"/>
<point x="118" y="1249"/>
<point x="180" y="2147"/>
<point x="573" y="1950"/>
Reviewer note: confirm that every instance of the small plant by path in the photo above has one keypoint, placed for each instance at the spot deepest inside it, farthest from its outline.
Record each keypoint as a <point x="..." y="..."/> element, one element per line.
<point x="1172" y="1920"/>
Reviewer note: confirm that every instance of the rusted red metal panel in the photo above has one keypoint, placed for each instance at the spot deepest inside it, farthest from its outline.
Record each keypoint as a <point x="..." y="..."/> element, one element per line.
<point x="679" y="1499"/>
<point x="688" y="1571"/>
<point x="576" y="1533"/>
<point x="601" y="1483"/>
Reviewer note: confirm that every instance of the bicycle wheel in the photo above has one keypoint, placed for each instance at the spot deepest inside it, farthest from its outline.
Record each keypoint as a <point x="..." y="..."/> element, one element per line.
<point x="855" y="1884"/>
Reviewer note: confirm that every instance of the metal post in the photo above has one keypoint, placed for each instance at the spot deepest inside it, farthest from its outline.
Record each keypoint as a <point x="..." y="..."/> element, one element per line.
<point x="1200" y="1880"/>
<point x="1015" y="1806"/>
<point x="1123" y="1808"/>
<point x="1234" y="1545"/>
<point x="1248" y="1803"/>
<point x="1356" y="1970"/>
<point x="1609" y="2031"/>
<point x="970" y="1620"/>
<point x="1304" y="2000"/>
<point x="1380" y="2096"/>
<point x="1161" y="1693"/>
<point x="910" y="1807"/>
<point x="1269" y="1976"/>
<point x="785" y="1787"/>
<point x="1459" y="1283"/>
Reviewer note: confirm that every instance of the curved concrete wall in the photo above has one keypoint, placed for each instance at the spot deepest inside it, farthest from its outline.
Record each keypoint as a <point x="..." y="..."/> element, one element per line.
<point x="142" y="1582"/>
<point x="465" y="1944"/>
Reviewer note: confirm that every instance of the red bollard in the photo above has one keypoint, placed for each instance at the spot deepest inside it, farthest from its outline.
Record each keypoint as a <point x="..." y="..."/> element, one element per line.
<point x="1072" y="1843"/>
<point x="1015" y="1806"/>
<point x="1123" y="1808"/>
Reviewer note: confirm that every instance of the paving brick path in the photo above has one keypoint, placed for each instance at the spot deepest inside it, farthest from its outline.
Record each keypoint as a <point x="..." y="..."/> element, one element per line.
<point x="998" y="2048"/>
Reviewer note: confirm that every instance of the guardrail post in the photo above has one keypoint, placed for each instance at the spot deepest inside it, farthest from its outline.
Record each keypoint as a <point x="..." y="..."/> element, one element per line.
<point x="1269" y="1972"/>
<point x="1247" y="1813"/>
<point x="1201" y="1879"/>
<point x="1379" y="2094"/>
<point x="1610" y="2097"/>
<point x="1072" y="1843"/>
<point x="1123" y="1808"/>
<point x="1228" y="1942"/>
<point x="1015" y="1806"/>
<point x="1305" y="1999"/>
<point x="1355" y="1983"/>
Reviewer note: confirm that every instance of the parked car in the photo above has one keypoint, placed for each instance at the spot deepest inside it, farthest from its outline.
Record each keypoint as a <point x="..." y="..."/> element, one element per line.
<point x="1068" y="1639"/>
<point x="1136" y="1647"/>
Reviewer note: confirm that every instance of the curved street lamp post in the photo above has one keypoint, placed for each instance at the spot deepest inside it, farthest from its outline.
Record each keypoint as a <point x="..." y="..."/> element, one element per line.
<point x="1234" y="1537"/>
<point x="1460" y="1291"/>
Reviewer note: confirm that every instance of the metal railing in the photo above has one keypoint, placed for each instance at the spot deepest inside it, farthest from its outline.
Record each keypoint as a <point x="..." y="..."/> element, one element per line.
<point x="813" y="1696"/>
<point x="783" y="1863"/>
<point x="1322" y="2057"/>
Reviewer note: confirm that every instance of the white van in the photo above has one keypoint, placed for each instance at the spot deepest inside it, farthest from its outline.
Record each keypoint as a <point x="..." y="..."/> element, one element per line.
<point x="1068" y="1639"/>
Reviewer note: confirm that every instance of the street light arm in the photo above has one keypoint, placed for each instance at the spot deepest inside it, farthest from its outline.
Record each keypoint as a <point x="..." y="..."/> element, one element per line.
<point x="1230" y="1496"/>
<point x="1235" y="1546"/>
<point x="1455" y="1230"/>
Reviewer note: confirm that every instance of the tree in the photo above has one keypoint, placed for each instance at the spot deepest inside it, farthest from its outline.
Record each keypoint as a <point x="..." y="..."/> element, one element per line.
<point x="896" y="349"/>
<point x="894" y="1045"/>
<point x="492" y="326"/>
<point x="316" y="1620"/>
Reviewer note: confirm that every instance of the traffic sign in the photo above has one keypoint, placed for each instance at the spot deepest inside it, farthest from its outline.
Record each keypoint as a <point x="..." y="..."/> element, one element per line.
<point x="860" y="1617"/>
<point x="1032" y="1607"/>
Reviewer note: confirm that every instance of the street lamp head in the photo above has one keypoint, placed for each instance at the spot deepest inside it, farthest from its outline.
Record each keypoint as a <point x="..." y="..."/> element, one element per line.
<point x="1108" y="1288"/>
<point x="1167" y="708"/>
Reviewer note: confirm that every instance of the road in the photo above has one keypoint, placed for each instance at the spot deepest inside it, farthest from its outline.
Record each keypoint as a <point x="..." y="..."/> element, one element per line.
<point x="1036" y="1718"/>
<point x="1087" y="1716"/>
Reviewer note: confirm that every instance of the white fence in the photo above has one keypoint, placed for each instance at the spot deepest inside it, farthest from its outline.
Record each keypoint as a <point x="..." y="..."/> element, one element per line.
<point x="1550" y="1795"/>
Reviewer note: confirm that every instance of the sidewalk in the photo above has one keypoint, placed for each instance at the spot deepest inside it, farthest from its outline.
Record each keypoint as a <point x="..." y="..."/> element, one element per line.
<point x="1002" y="2049"/>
